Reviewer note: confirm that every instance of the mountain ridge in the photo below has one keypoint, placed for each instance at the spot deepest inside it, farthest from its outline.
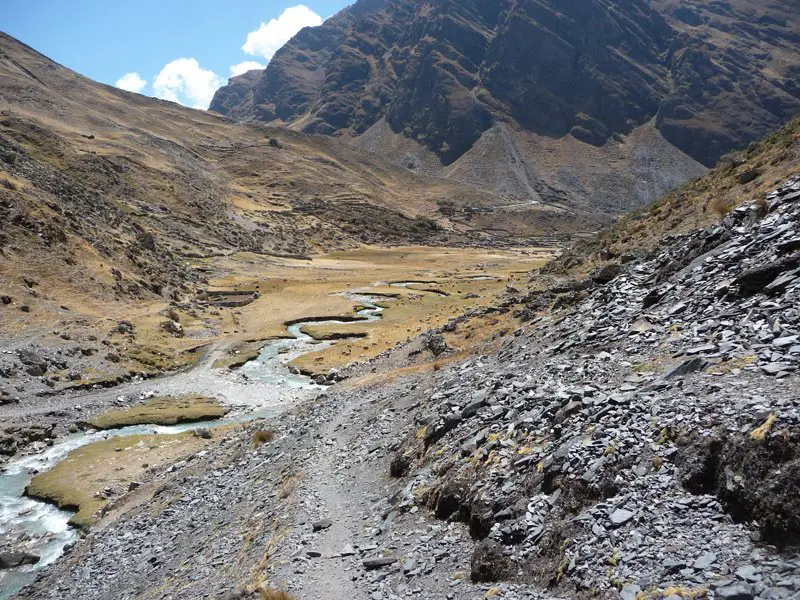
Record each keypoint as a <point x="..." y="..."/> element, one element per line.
<point x="442" y="74"/>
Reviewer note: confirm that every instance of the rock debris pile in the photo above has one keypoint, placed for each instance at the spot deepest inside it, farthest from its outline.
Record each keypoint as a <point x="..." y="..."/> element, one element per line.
<point x="645" y="438"/>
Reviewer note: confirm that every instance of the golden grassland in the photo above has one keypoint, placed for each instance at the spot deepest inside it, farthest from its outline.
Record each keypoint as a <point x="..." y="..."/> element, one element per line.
<point x="78" y="482"/>
<point x="290" y="289"/>
<point x="163" y="410"/>
<point x="456" y="280"/>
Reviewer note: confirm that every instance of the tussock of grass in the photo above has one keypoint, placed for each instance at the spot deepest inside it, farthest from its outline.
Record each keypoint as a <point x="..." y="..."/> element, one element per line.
<point x="262" y="437"/>
<point x="164" y="410"/>
<point x="722" y="206"/>
<point x="759" y="434"/>
<point x="685" y="593"/>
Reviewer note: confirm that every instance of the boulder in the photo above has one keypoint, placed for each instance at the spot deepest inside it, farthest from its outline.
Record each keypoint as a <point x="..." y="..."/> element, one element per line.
<point x="11" y="560"/>
<point x="606" y="274"/>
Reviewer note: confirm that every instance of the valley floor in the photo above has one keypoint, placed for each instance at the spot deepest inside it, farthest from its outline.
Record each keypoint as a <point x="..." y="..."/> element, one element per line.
<point x="635" y="435"/>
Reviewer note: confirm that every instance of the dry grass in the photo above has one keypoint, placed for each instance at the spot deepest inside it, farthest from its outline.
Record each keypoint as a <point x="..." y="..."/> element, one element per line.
<point x="759" y="434"/>
<point x="163" y="410"/>
<point x="722" y="207"/>
<point x="78" y="481"/>
<point x="262" y="437"/>
<point x="270" y="594"/>
<point x="414" y="310"/>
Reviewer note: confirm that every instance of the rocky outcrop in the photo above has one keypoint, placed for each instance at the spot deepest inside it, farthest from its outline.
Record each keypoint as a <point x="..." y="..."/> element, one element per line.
<point x="445" y="72"/>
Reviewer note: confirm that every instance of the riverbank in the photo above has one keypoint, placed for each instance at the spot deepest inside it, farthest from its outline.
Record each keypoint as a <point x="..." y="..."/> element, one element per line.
<point x="92" y="473"/>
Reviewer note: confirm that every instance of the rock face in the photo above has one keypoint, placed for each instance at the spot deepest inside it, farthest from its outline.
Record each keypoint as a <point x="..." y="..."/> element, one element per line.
<point x="445" y="73"/>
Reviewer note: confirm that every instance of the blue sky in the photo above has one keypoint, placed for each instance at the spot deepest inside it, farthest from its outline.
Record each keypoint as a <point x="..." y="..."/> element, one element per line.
<point x="180" y="50"/>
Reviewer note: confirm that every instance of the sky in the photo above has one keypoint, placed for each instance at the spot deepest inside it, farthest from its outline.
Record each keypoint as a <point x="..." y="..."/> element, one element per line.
<point x="178" y="50"/>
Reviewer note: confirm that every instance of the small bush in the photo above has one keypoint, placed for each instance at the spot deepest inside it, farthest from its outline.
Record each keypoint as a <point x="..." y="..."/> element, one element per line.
<point x="722" y="207"/>
<point x="762" y="207"/>
<point x="262" y="437"/>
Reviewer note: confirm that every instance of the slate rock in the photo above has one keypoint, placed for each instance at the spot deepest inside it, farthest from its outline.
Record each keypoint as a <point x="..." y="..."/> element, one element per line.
<point x="737" y="591"/>
<point x="687" y="367"/>
<point x="11" y="560"/>
<point x="621" y="516"/>
<point x="378" y="563"/>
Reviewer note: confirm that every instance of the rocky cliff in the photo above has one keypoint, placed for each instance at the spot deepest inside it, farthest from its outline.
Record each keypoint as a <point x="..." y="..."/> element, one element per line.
<point x="443" y="75"/>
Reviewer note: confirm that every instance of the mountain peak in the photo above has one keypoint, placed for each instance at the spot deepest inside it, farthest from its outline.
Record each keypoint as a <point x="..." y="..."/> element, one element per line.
<point x="443" y="73"/>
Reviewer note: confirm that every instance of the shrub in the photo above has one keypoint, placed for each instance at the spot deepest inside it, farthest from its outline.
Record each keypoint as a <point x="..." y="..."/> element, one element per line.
<point x="722" y="207"/>
<point x="762" y="207"/>
<point x="262" y="437"/>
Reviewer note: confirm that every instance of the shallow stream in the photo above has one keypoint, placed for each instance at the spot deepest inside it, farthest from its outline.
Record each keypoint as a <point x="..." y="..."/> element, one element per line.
<point x="262" y="388"/>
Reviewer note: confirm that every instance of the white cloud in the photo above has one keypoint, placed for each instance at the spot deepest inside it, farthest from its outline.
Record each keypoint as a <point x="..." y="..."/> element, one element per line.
<point x="183" y="80"/>
<point x="269" y="37"/>
<point x="244" y="67"/>
<point x="131" y="82"/>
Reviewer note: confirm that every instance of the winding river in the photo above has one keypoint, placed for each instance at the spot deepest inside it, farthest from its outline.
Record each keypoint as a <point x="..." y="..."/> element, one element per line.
<point x="262" y="388"/>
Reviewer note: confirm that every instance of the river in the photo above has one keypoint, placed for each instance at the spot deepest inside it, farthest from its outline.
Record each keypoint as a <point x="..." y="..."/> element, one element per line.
<point x="262" y="388"/>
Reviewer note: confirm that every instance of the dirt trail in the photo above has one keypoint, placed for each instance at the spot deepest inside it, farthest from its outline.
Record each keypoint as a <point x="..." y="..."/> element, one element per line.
<point x="329" y="578"/>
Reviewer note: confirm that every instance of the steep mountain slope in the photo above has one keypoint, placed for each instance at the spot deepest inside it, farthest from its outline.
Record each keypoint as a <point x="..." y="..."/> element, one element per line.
<point x="445" y="75"/>
<point x="113" y="205"/>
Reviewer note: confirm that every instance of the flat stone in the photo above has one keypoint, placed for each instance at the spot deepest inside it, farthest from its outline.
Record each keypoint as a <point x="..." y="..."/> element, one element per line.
<point x="378" y="563"/>
<point x="677" y="308"/>
<point x="690" y="366"/>
<point x="630" y="592"/>
<point x="321" y="524"/>
<point x="783" y="342"/>
<point x="777" y="368"/>
<point x="705" y="560"/>
<point x="706" y="349"/>
<point x="748" y="573"/>
<point x="621" y="516"/>
<point x="673" y="565"/>
<point x="737" y="591"/>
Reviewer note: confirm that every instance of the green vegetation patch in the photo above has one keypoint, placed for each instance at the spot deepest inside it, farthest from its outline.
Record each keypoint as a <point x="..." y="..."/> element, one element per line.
<point x="164" y="410"/>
